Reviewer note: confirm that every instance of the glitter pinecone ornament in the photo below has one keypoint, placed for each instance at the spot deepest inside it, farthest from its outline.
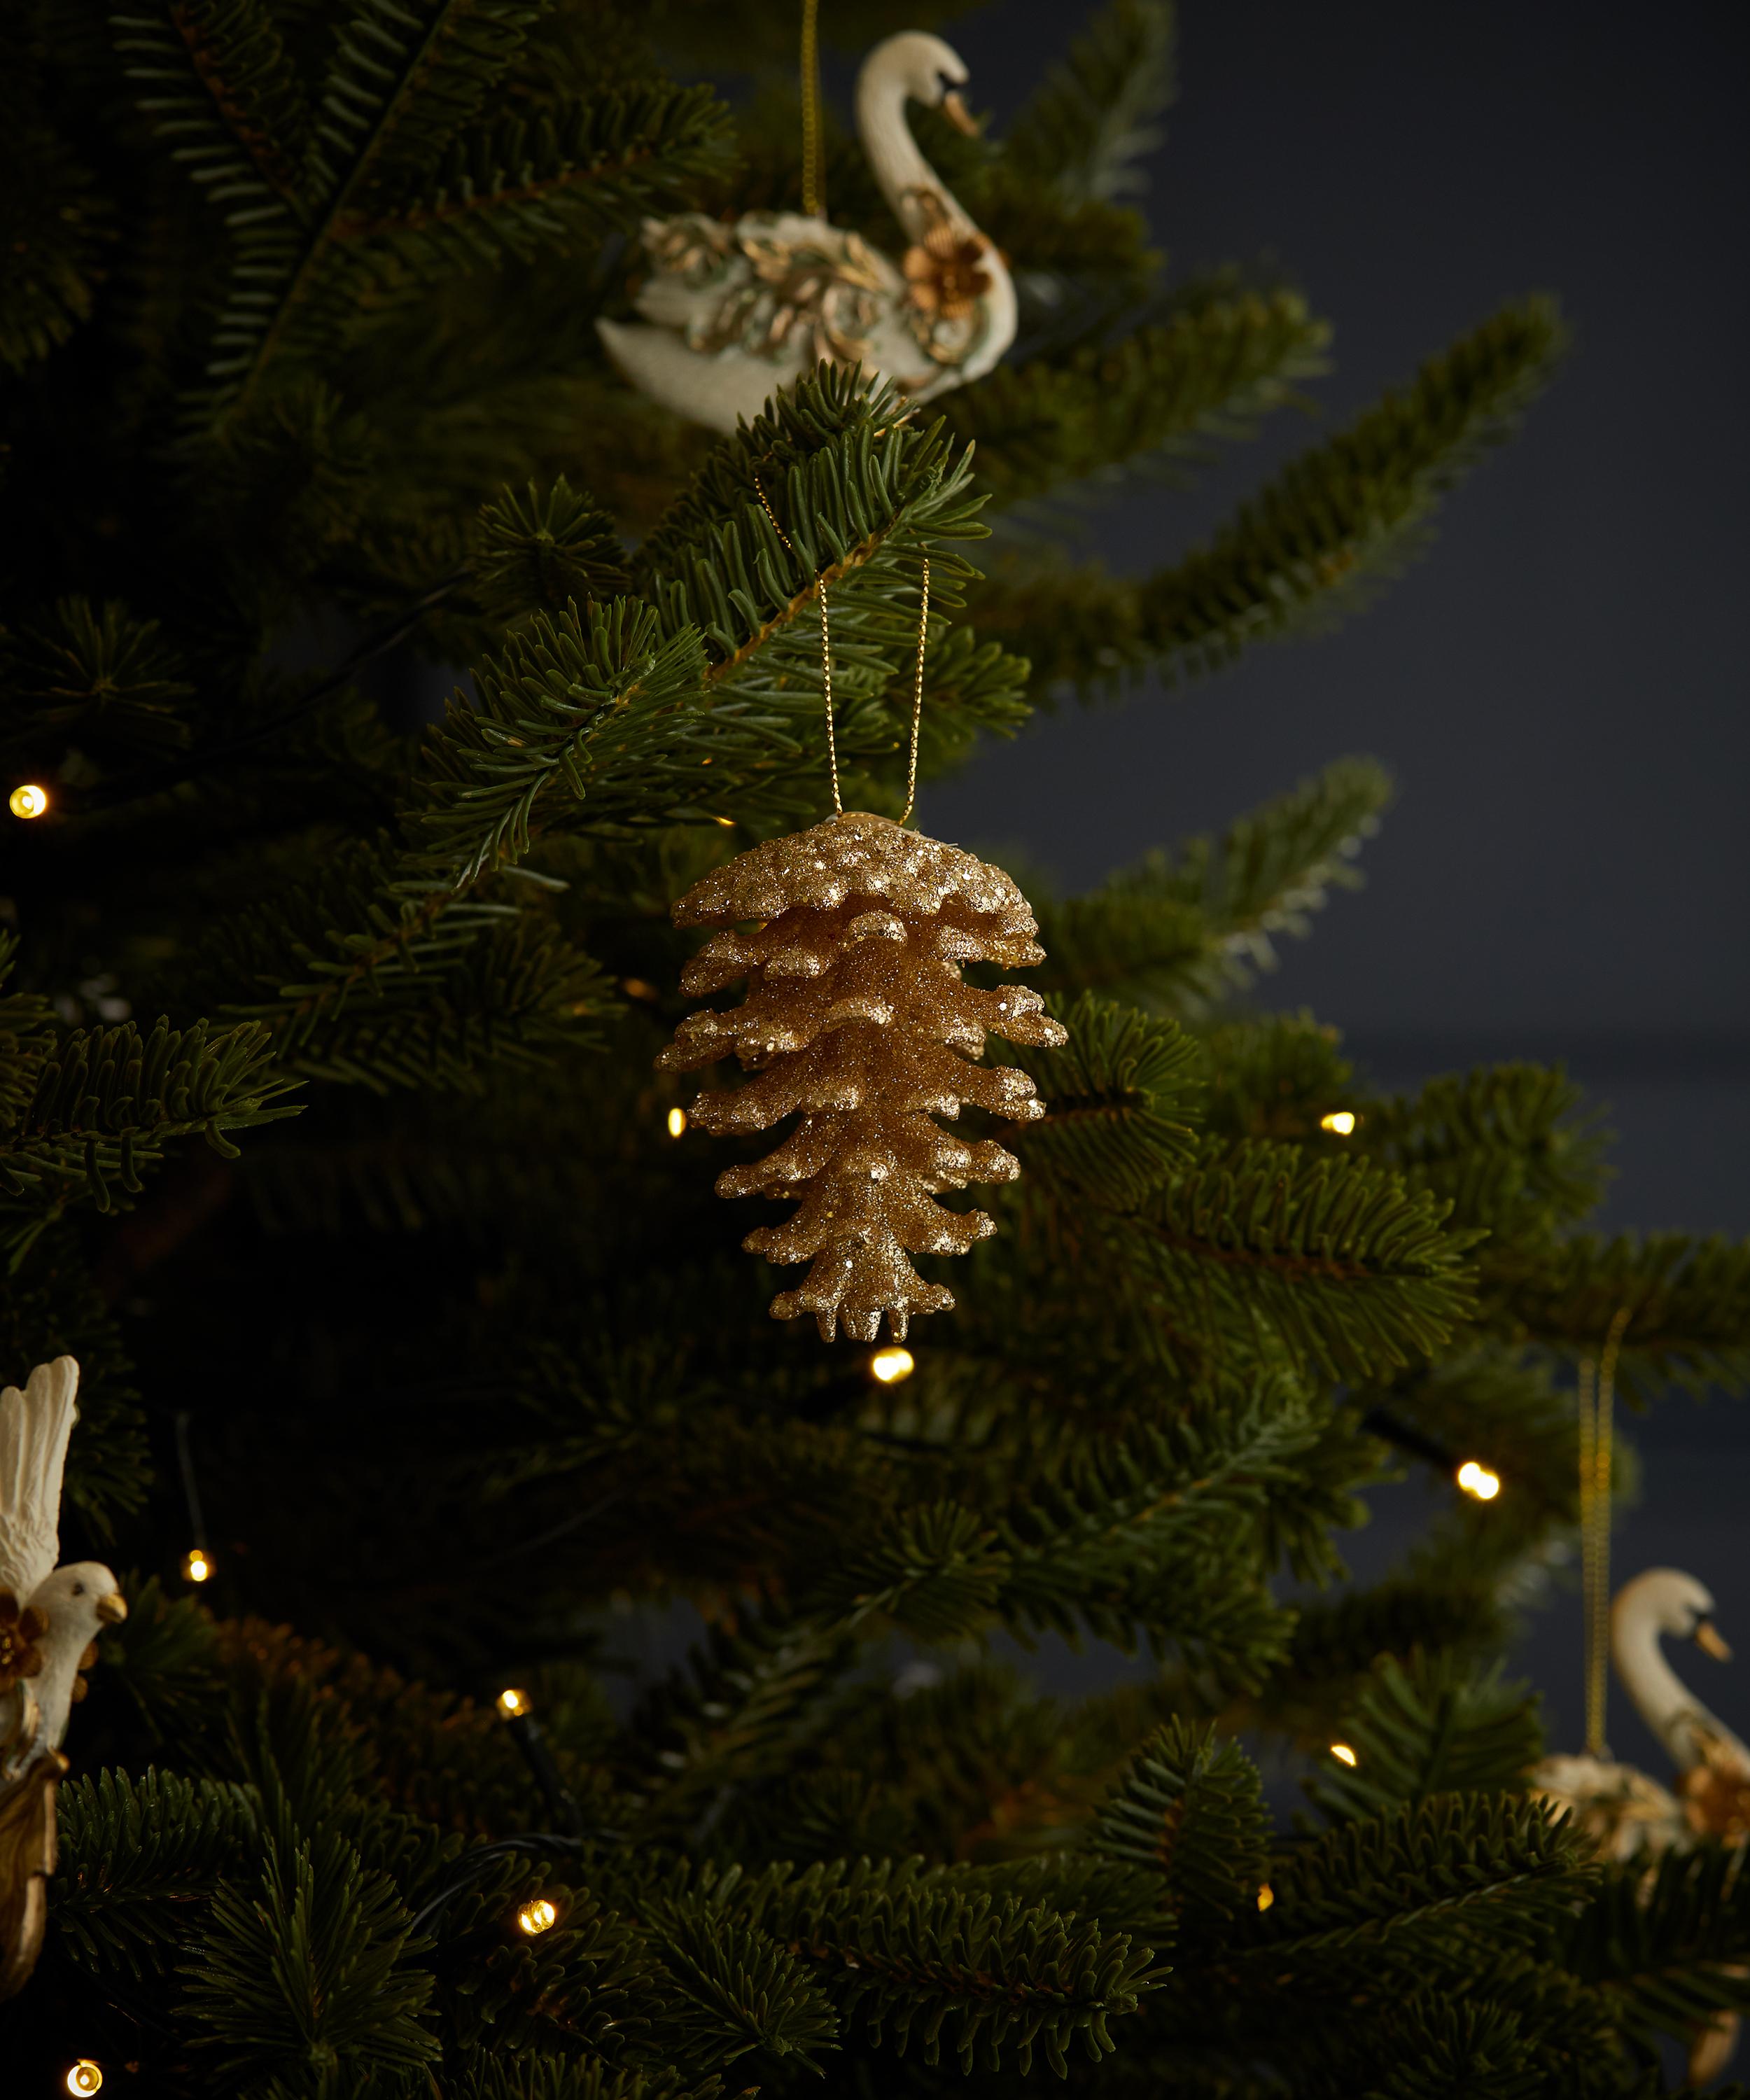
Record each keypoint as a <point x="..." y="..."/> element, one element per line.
<point x="856" y="1019"/>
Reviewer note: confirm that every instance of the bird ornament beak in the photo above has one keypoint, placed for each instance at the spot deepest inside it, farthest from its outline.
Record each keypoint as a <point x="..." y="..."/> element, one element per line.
<point x="113" y="1608"/>
<point x="1707" y="1637"/>
<point x="958" y="115"/>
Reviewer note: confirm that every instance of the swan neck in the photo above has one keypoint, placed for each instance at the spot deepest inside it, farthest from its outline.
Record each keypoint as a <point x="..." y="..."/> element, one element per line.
<point x="897" y="165"/>
<point x="1661" y="1698"/>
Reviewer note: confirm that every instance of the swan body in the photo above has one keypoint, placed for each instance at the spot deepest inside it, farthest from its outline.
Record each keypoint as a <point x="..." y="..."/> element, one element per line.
<point x="733" y="310"/>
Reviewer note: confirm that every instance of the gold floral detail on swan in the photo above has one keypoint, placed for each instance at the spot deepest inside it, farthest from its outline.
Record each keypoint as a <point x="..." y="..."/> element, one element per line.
<point x="821" y="289"/>
<point x="946" y="278"/>
<point x="19" y="1632"/>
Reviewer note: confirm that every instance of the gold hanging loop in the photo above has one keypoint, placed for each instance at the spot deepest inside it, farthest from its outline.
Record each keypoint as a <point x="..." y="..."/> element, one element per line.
<point x="814" y="146"/>
<point x="917" y="693"/>
<point x="1597" y="1395"/>
<point x="826" y="667"/>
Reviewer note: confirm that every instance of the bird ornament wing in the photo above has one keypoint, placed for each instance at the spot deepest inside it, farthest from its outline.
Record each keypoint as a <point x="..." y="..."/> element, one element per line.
<point x="34" y="1427"/>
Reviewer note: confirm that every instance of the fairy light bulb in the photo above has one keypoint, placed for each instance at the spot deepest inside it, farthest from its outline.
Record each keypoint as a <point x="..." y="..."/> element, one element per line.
<point x="512" y="1702"/>
<point x="198" y="1565"/>
<point x="889" y="1366"/>
<point x="1344" y="1755"/>
<point x="26" y="800"/>
<point x="86" y="2077"/>
<point x="1478" y="1481"/>
<point x="1340" y="1122"/>
<point x="537" y="1917"/>
<point x="1266" y="1895"/>
<point x="677" y="1123"/>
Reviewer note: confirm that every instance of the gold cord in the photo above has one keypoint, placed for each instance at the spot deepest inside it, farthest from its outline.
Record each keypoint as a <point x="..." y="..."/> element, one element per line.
<point x="813" y="148"/>
<point x="825" y="681"/>
<point x="1596" y="1384"/>
<point x="917" y="693"/>
<point x="826" y="667"/>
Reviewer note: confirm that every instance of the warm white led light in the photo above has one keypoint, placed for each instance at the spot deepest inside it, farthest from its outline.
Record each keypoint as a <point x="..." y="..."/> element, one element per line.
<point x="1340" y="1122"/>
<point x="539" y="1915"/>
<point x="198" y="1565"/>
<point x="513" y="1701"/>
<point x="1478" y="1481"/>
<point x="28" y="799"/>
<point x="86" y="2077"/>
<point x="677" y="1123"/>
<point x="1343" y="1754"/>
<point x="892" y="1364"/>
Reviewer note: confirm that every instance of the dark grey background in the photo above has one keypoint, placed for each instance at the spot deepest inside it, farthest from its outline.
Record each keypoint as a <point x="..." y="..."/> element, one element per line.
<point x="1558" y="686"/>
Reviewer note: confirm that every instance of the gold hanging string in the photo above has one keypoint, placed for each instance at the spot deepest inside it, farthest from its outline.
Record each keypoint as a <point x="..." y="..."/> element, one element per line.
<point x="1596" y="1394"/>
<point x="826" y="649"/>
<point x="917" y="693"/>
<point x="814" y="147"/>
<point x="826" y="667"/>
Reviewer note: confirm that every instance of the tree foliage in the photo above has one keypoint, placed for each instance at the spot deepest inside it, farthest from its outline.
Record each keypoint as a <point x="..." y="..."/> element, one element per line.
<point x="381" y="1239"/>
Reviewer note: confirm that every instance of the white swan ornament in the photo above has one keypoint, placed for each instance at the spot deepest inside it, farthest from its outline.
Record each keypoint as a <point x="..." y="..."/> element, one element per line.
<point x="737" y="310"/>
<point x="1625" y="1812"/>
<point x="1630" y="1816"/>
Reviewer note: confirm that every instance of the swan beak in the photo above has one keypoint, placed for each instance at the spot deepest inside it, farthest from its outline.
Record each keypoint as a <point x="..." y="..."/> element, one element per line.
<point x="1707" y="1637"/>
<point x="958" y="115"/>
<point x="112" y="1609"/>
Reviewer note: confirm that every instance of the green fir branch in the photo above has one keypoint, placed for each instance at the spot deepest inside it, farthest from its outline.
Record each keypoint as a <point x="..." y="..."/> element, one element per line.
<point x="1428" y="1727"/>
<point x="1668" y="1948"/>
<point x="1122" y="1097"/>
<point x="1310" y="548"/>
<point x="308" y="1965"/>
<point x="1351" y="1269"/>
<point x="1163" y="392"/>
<point x="1687" y="1300"/>
<point x="365" y="977"/>
<point x="1476" y="1869"/>
<point x="1190" y="1808"/>
<point x="1508" y="1147"/>
<point x="921" y="1957"/>
<point x="103" y="1104"/>
<point x="141" y="1859"/>
<point x="537" y="552"/>
<point x="524" y="186"/>
<point x="1180" y="929"/>
<point x="221" y="84"/>
<point x="1098" y="111"/>
<point x="55" y="230"/>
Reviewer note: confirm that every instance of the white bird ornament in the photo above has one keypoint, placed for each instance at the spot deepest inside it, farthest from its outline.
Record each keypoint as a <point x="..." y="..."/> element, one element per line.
<point x="49" y="1618"/>
<point x="737" y="310"/>
<point x="1632" y="1817"/>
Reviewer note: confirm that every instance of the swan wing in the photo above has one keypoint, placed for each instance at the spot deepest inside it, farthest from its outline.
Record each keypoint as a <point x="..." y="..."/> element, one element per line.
<point x="773" y="284"/>
<point x="34" y="1427"/>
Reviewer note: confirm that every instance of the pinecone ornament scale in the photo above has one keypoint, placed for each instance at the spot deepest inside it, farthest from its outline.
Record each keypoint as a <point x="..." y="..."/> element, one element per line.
<point x="856" y="1021"/>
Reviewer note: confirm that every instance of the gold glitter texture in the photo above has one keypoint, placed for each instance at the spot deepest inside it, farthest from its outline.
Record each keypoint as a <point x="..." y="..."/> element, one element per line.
<point x="856" y="1019"/>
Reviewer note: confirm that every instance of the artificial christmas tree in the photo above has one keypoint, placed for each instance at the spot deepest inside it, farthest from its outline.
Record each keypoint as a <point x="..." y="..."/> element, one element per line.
<point x="420" y="1367"/>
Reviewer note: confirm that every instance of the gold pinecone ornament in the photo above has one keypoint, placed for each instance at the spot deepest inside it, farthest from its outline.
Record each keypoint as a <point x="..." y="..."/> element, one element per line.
<point x="857" y="1020"/>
